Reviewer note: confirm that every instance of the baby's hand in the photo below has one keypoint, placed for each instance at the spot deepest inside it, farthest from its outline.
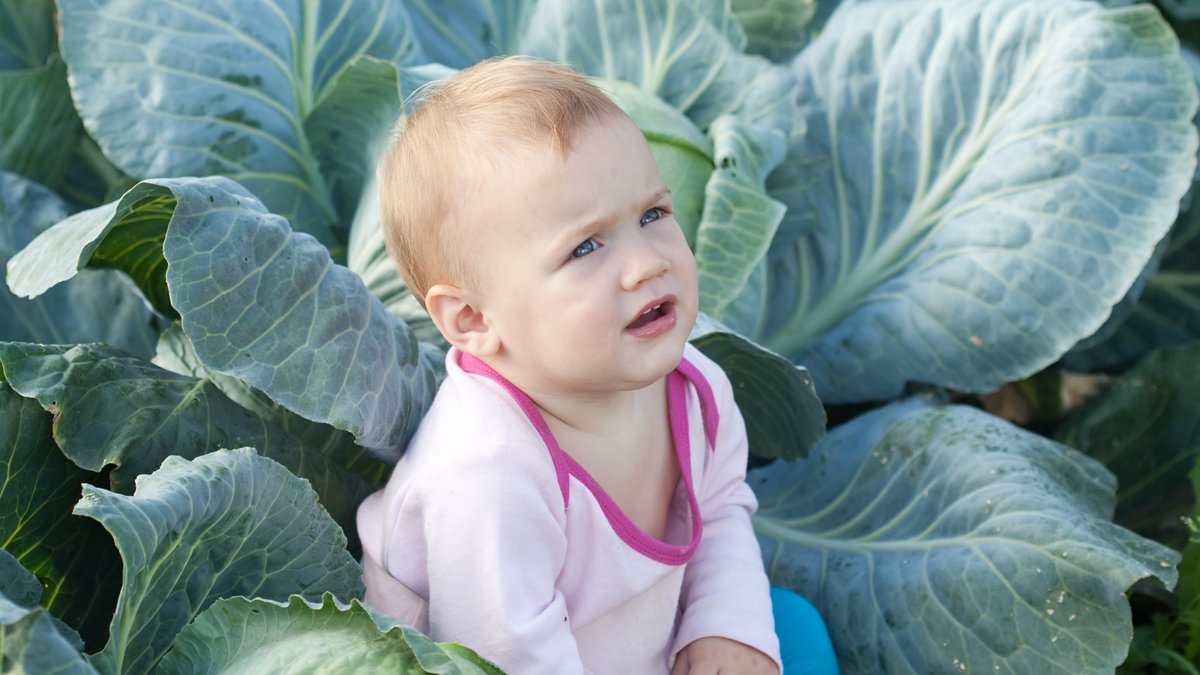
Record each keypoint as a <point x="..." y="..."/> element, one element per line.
<point x="721" y="656"/>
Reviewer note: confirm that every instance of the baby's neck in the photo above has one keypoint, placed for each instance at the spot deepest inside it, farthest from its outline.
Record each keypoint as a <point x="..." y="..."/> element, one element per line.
<point x="624" y="443"/>
<point x="598" y="414"/>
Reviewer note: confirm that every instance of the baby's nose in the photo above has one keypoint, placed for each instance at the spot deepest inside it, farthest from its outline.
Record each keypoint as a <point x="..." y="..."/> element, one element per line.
<point x="646" y="263"/>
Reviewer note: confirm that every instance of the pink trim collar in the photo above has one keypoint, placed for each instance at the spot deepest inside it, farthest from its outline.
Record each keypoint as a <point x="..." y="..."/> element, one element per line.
<point x="565" y="466"/>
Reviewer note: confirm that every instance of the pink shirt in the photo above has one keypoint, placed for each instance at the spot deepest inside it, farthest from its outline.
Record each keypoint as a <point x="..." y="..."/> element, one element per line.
<point x="489" y="535"/>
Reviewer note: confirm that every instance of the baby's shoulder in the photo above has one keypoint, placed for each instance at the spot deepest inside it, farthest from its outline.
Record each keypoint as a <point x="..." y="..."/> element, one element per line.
<point x="474" y="426"/>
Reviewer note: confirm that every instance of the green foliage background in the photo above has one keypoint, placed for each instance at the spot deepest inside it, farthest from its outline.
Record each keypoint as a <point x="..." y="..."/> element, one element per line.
<point x="898" y="207"/>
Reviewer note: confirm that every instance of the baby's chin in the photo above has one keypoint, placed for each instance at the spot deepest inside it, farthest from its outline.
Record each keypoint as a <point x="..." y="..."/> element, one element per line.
<point x="672" y="354"/>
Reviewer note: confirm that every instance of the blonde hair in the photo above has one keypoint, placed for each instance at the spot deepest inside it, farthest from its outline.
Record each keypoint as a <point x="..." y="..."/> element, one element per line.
<point x="479" y="115"/>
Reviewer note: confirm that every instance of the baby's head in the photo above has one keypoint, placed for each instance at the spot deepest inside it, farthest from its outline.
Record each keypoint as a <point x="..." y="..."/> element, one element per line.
<point x="526" y="213"/>
<point x="468" y="129"/>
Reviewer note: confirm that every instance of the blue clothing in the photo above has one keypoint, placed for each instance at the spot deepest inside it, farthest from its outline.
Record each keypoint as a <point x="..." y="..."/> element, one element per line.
<point x="803" y="640"/>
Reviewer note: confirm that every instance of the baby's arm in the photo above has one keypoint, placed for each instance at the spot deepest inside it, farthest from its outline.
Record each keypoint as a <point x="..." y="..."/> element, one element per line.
<point x="495" y="548"/>
<point x="725" y="589"/>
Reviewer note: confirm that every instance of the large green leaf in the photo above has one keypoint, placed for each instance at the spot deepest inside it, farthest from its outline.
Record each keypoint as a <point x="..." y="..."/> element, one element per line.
<point x="1144" y="428"/>
<point x="20" y="587"/>
<point x="784" y="418"/>
<point x="126" y="234"/>
<point x="32" y="644"/>
<point x="258" y="302"/>
<point x="176" y="354"/>
<point x="39" y="129"/>
<point x="212" y="88"/>
<point x="300" y="636"/>
<point x="739" y="219"/>
<point x="1163" y="306"/>
<point x="227" y="523"/>
<point x="70" y="557"/>
<point x="686" y="52"/>
<point x="940" y="539"/>
<point x="348" y="128"/>
<point x="368" y="256"/>
<point x="459" y="33"/>
<point x="38" y="125"/>
<point x="31" y="640"/>
<point x="271" y="308"/>
<point x="26" y="33"/>
<point x="98" y="305"/>
<point x="978" y="184"/>
<point x="17" y="584"/>
<point x="776" y="29"/>
<point x="41" y="136"/>
<point x="112" y="409"/>
<point x="1166" y="313"/>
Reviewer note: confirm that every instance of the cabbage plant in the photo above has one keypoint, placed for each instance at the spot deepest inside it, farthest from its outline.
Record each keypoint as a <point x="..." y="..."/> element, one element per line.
<point x="896" y="206"/>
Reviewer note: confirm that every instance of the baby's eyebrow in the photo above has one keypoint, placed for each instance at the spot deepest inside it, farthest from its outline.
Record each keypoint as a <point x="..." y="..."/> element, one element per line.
<point x="576" y="233"/>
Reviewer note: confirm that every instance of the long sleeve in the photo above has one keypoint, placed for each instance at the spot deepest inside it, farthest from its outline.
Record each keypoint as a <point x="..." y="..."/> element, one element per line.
<point x="495" y="548"/>
<point x="725" y="588"/>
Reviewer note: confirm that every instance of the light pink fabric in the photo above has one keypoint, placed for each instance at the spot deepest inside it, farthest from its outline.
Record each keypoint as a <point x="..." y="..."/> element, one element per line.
<point x="489" y="535"/>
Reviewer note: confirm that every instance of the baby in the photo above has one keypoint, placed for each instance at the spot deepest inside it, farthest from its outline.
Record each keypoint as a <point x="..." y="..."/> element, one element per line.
<point x="575" y="499"/>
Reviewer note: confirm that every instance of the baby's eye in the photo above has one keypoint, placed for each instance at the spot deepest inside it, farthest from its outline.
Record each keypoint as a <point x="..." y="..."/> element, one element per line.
<point x="651" y="216"/>
<point x="584" y="248"/>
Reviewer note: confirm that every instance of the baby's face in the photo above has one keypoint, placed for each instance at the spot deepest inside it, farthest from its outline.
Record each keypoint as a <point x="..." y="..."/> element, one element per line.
<point x="586" y="275"/>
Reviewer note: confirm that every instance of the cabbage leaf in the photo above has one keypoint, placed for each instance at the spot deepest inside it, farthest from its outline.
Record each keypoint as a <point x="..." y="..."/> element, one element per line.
<point x="976" y="185"/>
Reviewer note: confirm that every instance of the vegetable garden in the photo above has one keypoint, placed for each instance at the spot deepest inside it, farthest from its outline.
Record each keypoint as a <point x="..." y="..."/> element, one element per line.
<point x="920" y="226"/>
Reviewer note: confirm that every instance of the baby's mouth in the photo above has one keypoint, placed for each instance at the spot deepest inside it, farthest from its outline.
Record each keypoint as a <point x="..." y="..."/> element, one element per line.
<point x="651" y="315"/>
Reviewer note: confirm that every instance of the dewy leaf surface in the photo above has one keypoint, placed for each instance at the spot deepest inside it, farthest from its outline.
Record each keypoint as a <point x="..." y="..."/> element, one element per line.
<point x="114" y="409"/>
<point x="214" y="88"/>
<point x="941" y="539"/>
<point x="257" y="636"/>
<point x="228" y="523"/>
<point x="1144" y="428"/>
<point x="686" y="52"/>
<point x="981" y="183"/>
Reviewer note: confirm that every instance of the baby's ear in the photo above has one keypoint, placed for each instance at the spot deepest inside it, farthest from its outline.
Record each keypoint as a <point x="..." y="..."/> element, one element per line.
<point x="460" y="320"/>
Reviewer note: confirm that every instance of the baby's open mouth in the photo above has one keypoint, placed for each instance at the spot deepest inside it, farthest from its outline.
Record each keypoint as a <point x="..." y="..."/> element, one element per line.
<point x="653" y="318"/>
<point x="647" y="316"/>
